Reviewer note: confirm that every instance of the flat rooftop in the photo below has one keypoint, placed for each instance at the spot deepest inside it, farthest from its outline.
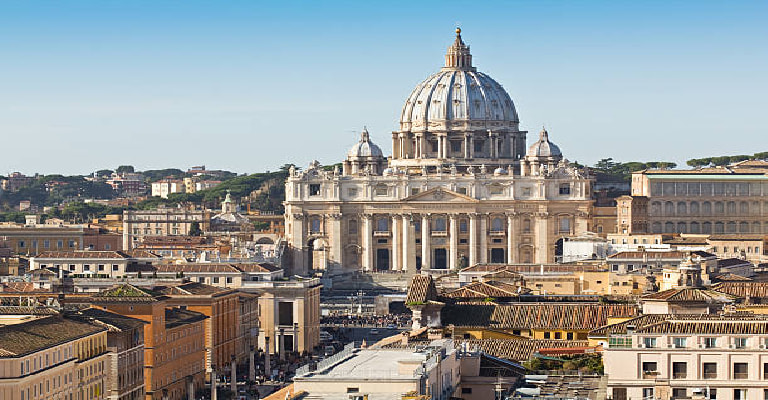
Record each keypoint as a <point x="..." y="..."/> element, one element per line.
<point x="374" y="363"/>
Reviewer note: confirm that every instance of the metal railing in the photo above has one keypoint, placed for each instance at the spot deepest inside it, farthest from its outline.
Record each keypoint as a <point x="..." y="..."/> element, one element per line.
<point x="327" y="362"/>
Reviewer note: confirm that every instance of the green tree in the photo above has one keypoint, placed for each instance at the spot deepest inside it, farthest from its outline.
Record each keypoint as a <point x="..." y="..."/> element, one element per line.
<point x="194" y="229"/>
<point x="125" y="168"/>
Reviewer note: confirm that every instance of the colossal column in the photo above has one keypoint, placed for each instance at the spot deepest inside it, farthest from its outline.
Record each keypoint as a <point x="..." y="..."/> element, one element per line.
<point x="510" y="243"/>
<point x="453" y="244"/>
<point x="483" y="239"/>
<point x="425" y="247"/>
<point x="407" y="263"/>
<point x="472" y="239"/>
<point x="367" y="241"/>
<point x="395" y="243"/>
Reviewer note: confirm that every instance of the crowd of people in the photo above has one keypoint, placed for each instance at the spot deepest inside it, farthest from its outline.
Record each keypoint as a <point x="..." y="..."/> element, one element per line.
<point x="380" y="321"/>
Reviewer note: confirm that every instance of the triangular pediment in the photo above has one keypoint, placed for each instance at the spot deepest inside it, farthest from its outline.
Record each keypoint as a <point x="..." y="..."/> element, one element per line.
<point x="440" y="195"/>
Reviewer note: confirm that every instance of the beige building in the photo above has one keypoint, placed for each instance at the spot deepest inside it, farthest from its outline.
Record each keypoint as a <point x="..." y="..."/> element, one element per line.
<point x="709" y="200"/>
<point x="162" y="221"/>
<point x="678" y="357"/>
<point x="53" y="358"/>
<point x="289" y="314"/>
<point x="459" y="188"/>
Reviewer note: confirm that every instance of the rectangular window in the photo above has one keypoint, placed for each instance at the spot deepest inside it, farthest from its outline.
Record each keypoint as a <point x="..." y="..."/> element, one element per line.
<point x="59" y="244"/>
<point x="352" y="192"/>
<point x="229" y="279"/>
<point x="650" y="369"/>
<point x="466" y="390"/>
<point x="86" y="267"/>
<point x="565" y="189"/>
<point x="455" y="146"/>
<point x="314" y="189"/>
<point x="215" y="279"/>
<point x="710" y="343"/>
<point x="22" y="244"/>
<point x="740" y="343"/>
<point x="381" y="190"/>
<point x="648" y="393"/>
<point x="709" y="370"/>
<point x="679" y="370"/>
<point x="285" y="313"/>
<point x="679" y="342"/>
<point x="739" y="394"/>
<point x="46" y="244"/>
<point x="765" y="370"/>
<point x="415" y="191"/>
<point x="649" y="342"/>
<point x="740" y="371"/>
<point x="101" y="267"/>
<point x="115" y="267"/>
<point x="679" y="393"/>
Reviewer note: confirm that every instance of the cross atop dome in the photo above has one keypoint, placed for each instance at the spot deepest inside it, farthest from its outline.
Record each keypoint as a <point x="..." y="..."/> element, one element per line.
<point x="458" y="56"/>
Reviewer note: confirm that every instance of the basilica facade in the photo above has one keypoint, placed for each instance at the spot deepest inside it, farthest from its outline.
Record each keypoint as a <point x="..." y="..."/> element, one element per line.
<point x="460" y="188"/>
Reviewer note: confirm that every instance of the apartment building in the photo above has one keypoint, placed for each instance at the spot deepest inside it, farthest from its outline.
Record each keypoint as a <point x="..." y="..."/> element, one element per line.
<point x="53" y="357"/>
<point x="162" y="221"/>
<point x="679" y="357"/>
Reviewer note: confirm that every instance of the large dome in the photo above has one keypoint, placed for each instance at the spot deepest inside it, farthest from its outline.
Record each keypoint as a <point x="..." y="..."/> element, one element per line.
<point x="458" y="96"/>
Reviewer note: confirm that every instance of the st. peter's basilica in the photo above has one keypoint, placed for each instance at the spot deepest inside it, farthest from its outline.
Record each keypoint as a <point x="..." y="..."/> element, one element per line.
<point x="459" y="189"/>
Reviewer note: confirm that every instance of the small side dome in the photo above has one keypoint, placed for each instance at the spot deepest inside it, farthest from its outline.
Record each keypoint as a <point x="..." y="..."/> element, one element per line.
<point x="499" y="171"/>
<point x="388" y="172"/>
<point x="365" y="147"/>
<point x="543" y="147"/>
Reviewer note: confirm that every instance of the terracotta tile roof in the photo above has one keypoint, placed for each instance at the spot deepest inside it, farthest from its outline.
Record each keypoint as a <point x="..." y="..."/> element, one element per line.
<point x="522" y="316"/>
<point x="192" y="289"/>
<point x="176" y="317"/>
<point x="481" y="290"/>
<point x="421" y="290"/>
<point x="138" y="253"/>
<point x="18" y="287"/>
<point x="503" y="275"/>
<point x="77" y="254"/>
<point x="257" y="267"/>
<point x="27" y="310"/>
<point x="650" y="255"/>
<point x="694" y="295"/>
<point x="723" y="326"/>
<point x="730" y="262"/>
<point x="39" y="334"/>
<point x="743" y="290"/>
<point x="112" y="321"/>
<point x="703" y="254"/>
<point x="123" y="293"/>
<point x="737" y="236"/>
<point x="516" y="349"/>
<point x="729" y="277"/>
<point x="198" y="268"/>
<point x="173" y="240"/>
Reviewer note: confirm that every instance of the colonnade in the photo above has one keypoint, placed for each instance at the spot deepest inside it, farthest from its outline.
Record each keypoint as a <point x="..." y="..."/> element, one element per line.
<point x="402" y="239"/>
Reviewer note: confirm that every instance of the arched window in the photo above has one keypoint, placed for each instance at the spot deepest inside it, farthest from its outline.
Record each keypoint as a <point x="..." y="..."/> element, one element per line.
<point x="744" y="208"/>
<point x="382" y="225"/>
<point x="706" y="208"/>
<point x="706" y="227"/>
<point x="669" y="208"/>
<point x="656" y="208"/>
<point x="669" y="227"/>
<point x="694" y="208"/>
<point x="719" y="227"/>
<point x="352" y="227"/>
<point x="682" y="227"/>
<point x="731" y="207"/>
<point x="743" y="227"/>
<point x="682" y="208"/>
<point x="755" y="227"/>
<point x="527" y="225"/>
<point x="719" y="208"/>
<point x="497" y="225"/>
<point x="440" y="224"/>
<point x="730" y="227"/>
<point x="656" y="227"/>
<point x="695" y="228"/>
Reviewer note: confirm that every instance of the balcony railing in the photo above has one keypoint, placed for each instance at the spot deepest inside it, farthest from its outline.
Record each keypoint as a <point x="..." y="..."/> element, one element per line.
<point x="650" y="374"/>
<point x="710" y="375"/>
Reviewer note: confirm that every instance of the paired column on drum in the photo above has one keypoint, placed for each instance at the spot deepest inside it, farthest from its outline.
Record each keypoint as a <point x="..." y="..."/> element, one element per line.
<point x="407" y="240"/>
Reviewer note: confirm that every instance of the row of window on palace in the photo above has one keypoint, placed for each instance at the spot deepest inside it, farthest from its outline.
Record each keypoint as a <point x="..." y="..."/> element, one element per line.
<point x="709" y="227"/>
<point x="86" y="267"/>
<point x="684" y="343"/>
<point x="91" y="392"/>
<point x="708" y="189"/>
<point x="83" y="350"/>
<point x="682" y="393"/>
<point x="381" y="190"/>
<point x="684" y="208"/>
<point x="46" y="244"/>
<point x="438" y="224"/>
<point x="158" y="231"/>
<point x="739" y="370"/>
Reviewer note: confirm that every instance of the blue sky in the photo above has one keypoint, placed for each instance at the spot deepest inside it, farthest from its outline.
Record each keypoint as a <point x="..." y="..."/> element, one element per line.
<point x="248" y="85"/>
